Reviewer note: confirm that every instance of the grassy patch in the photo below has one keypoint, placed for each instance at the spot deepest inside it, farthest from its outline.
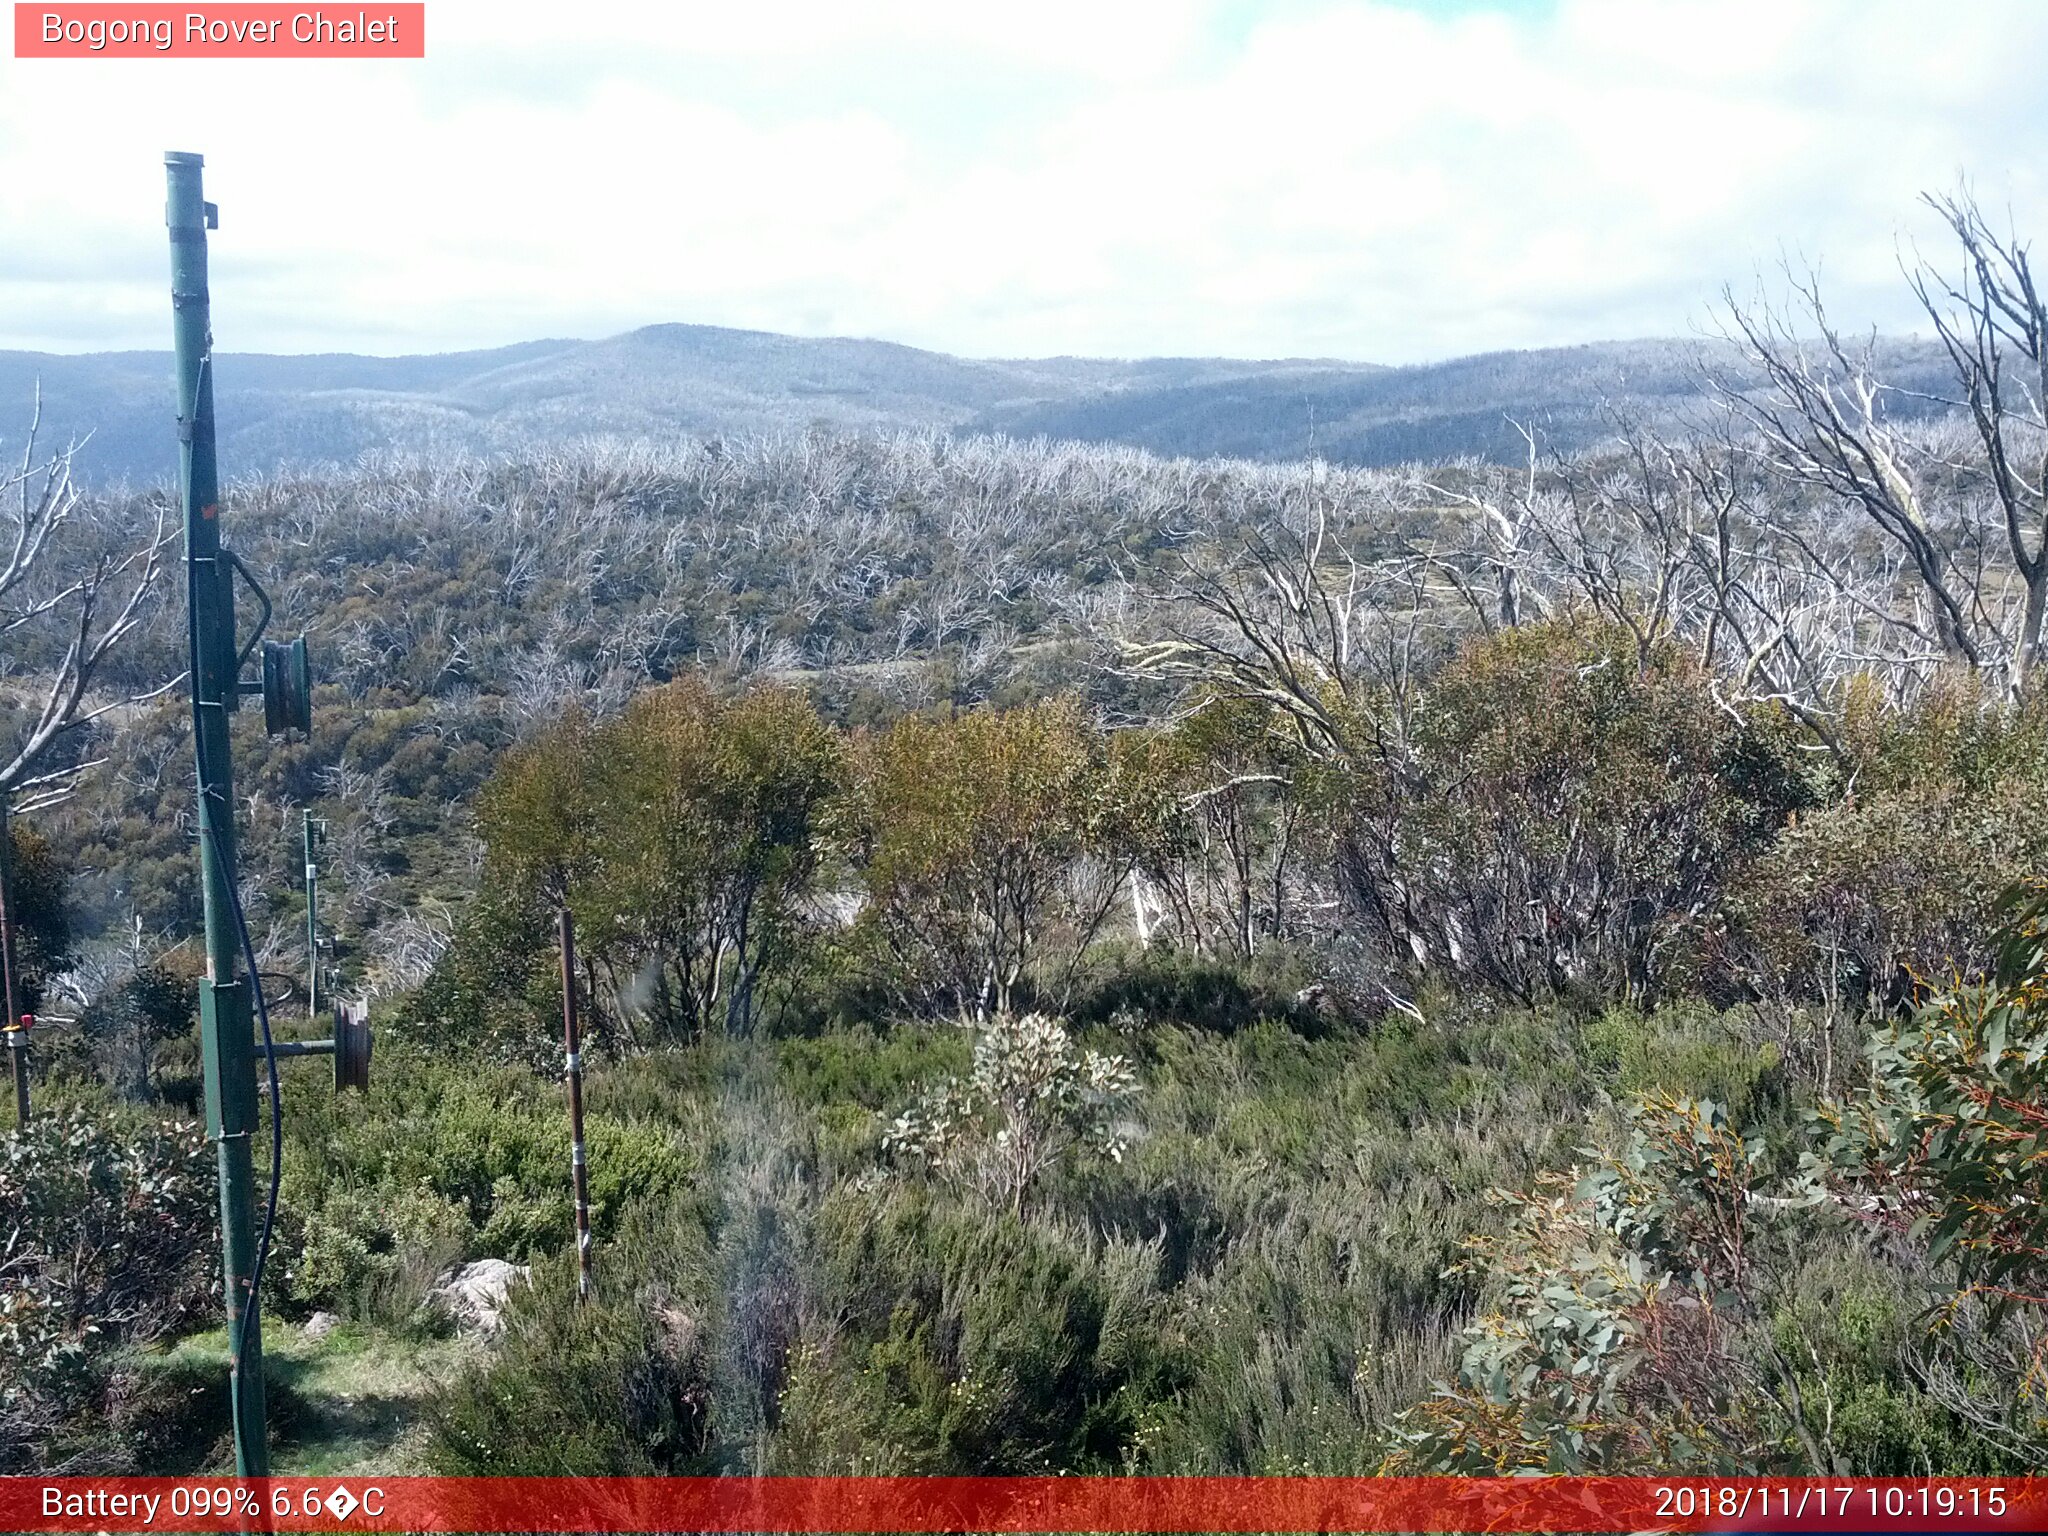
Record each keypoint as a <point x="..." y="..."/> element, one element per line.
<point x="349" y="1402"/>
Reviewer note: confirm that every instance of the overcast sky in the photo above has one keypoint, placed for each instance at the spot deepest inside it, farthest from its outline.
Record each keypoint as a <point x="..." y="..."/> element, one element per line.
<point x="1361" y="179"/>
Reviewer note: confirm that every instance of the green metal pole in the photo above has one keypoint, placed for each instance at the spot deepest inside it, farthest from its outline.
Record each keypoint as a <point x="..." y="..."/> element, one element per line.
<point x="227" y="1036"/>
<point x="312" y="920"/>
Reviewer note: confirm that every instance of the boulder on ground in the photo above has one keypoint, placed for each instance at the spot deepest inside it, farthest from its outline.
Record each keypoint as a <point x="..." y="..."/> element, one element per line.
<point x="475" y="1294"/>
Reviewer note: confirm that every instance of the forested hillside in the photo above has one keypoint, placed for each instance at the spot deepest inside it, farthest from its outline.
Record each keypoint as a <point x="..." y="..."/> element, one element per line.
<point x="296" y="413"/>
<point x="1095" y="961"/>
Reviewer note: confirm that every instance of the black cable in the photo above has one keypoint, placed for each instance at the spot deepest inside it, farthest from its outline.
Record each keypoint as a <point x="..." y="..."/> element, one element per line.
<point x="276" y="1101"/>
<point x="251" y="1308"/>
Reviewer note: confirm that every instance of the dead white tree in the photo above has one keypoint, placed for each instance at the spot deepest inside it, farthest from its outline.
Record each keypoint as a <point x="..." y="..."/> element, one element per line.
<point x="1994" y="327"/>
<point x="82" y="601"/>
<point x="1278" y="622"/>
<point x="1680" y="540"/>
<point x="1968" y="509"/>
<point x="1507" y="507"/>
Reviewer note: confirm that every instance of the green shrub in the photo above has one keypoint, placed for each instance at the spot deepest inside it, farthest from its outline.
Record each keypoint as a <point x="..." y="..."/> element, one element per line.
<point x="969" y="1343"/>
<point x="1032" y="1098"/>
<point x="1893" y="888"/>
<point x="1175" y="986"/>
<point x="1862" y="904"/>
<point x="1625" y="1299"/>
<point x="130" y="1021"/>
<point x="869" y="1066"/>
<point x="497" y="988"/>
<point x="627" y="1163"/>
<point x="169" y="1413"/>
<point x="1565" y="817"/>
<point x="1682" y="1300"/>
<point x="374" y="1254"/>
<point x="613" y="1387"/>
<point x="1855" y="1329"/>
<point x="1947" y="1147"/>
<point x="522" y="1225"/>
<point x="110" y="1221"/>
<point x="1685" y="1051"/>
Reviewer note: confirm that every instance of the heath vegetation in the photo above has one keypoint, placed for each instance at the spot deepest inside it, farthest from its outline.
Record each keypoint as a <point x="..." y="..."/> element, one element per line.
<point x="1097" y="962"/>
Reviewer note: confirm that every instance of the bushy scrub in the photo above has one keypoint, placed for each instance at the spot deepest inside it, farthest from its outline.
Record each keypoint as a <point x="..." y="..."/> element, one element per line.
<point x="1628" y="1298"/>
<point x="1033" y="1098"/>
<point x="111" y="1223"/>
<point x="375" y="1253"/>
<point x="1947" y="1149"/>
<point x="1564" y="814"/>
<point x="1854" y="1330"/>
<point x="992" y="846"/>
<point x="1687" y="1051"/>
<point x="129" y="1022"/>
<point x="611" y="1387"/>
<point x="1689" y="1298"/>
<point x="1254" y="1287"/>
<point x="1217" y="994"/>
<point x="449" y="1160"/>
<point x="1894" y="887"/>
<point x="971" y="1343"/>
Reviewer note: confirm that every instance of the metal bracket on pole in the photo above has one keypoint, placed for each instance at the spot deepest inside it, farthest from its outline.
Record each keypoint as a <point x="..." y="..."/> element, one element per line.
<point x="236" y="564"/>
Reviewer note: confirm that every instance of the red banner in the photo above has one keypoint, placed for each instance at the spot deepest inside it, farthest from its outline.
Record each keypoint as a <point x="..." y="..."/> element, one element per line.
<point x="1052" y="1504"/>
<point x="231" y="31"/>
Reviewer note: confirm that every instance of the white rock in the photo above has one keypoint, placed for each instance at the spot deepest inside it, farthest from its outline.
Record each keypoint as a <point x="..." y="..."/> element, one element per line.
<point x="475" y="1294"/>
<point x="321" y="1324"/>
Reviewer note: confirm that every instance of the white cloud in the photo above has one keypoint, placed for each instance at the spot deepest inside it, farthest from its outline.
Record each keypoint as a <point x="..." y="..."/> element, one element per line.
<point x="1360" y="179"/>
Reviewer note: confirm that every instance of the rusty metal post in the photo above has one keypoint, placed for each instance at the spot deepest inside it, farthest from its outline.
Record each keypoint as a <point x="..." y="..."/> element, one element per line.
<point x="314" y="831"/>
<point x="572" y="1043"/>
<point x="10" y="986"/>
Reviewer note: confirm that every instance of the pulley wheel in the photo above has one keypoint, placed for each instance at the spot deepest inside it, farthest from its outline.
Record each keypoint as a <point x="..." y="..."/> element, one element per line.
<point x="287" y="687"/>
<point x="351" y="1046"/>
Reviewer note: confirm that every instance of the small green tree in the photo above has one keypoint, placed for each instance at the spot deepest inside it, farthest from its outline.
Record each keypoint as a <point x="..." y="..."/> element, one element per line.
<point x="127" y="1022"/>
<point x="1566" y="814"/>
<point x="1228" y="828"/>
<point x="1901" y="877"/>
<point x="989" y="842"/>
<point x="684" y="835"/>
<point x="42" y="921"/>
<point x="540" y="815"/>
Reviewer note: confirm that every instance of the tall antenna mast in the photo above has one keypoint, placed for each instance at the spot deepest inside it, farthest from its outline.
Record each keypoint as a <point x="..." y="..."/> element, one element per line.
<point x="231" y="995"/>
<point x="226" y="1026"/>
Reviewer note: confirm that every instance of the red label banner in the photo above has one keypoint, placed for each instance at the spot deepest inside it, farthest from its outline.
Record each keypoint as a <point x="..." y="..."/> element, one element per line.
<point x="229" y="31"/>
<point x="1051" y="1504"/>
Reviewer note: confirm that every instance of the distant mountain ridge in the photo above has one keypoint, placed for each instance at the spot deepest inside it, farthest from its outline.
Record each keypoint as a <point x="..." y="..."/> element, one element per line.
<point x="668" y="380"/>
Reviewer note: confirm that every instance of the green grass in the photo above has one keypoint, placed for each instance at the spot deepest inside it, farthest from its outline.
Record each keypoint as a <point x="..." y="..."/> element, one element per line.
<point x="350" y="1402"/>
